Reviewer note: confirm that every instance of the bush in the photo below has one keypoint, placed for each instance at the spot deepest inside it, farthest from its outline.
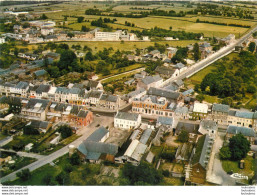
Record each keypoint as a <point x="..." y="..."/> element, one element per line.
<point x="24" y="174"/>
<point x="225" y="153"/>
<point x="47" y="179"/>
<point x="29" y="130"/>
<point x="170" y="156"/>
<point x="183" y="136"/>
<point x="74" y="159"/>
<point x="166" y="173"/>
<point x="65" y="131"/>
<point x="62" y="178"/>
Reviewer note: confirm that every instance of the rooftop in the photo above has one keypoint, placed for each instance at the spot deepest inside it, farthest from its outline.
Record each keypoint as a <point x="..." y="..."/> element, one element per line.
<point x="127" y="116"/>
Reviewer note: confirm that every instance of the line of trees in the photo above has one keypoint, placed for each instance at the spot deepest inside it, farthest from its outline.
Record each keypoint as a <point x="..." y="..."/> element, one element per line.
<point x="223" y="24"/>
<point x="160" y="32"/>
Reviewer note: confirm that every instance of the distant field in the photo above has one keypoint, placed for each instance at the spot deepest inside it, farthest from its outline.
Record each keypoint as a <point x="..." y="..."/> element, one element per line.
<point x="178" y="23"/>
<point x="128" y="46"/>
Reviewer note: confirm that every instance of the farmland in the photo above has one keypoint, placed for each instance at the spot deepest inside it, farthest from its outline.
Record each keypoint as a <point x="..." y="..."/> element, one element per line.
<point x="187" y="23"/>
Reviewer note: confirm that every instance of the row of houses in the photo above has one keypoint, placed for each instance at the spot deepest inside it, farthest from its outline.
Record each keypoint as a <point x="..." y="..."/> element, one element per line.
<point x="89" y="93"/>
<point x="46" y="110"/>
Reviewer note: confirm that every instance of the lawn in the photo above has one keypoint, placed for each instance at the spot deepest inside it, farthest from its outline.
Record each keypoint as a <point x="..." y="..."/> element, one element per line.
<point x="2" y="136"/>
<point x="19" y="163"/>
<point x="173" y="181"/>
<point x="234" y="166"/>
<point x="80" y="174"/>
<point x="121" y="70"/>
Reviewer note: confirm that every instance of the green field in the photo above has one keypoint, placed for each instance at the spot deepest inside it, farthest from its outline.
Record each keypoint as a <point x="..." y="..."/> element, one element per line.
<point x="187" y="23"/>
<point x="234" y="166"/>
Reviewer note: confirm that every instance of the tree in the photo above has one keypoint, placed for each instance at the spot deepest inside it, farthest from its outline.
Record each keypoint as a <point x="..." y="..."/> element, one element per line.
<point x="251" y="89"/>
<point x="16" y="51"/>
<point x="183" y="136"/>
<point x="89" y="56"/>
<point x="239" y="146"/>
<point x="66" y="59"/>
<point x="80" y="19"/>
<point x="47" y="179"/>
<point x="24" y="174"/>
<point x="196" y="52"/>
<point x="69" y="34"/>
<point x="29" y="130"/>
<point x="62" y="178"/>
<point x="225" y="153"/>
<point x="143" y="173"/>
<point x="26" y="25"/>
<point x="44" y="17"/>
<point x="85" y="29"/>
<point x="74" y="159"/>
<point x="252" y="47"/>
<point x="200" y="97"/>
<point x="65" y="131"/>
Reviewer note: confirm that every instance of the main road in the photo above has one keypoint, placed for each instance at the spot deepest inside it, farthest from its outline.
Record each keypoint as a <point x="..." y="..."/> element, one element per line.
<point x="210" y="59"/>
<point x="84" y="132"/>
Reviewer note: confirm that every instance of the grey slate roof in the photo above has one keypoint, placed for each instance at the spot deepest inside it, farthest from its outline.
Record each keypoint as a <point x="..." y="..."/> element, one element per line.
<point x="127" y="116"/>
<point x="209" y="124"/>
<point x="22" y="85"/>
<point x="109" y="98"/>
<point x="98" y="134"/>
<point x="244" y="130"/>
<point x="145" y="136"/>
<point x="179" y="65"/>
<point x="179" y="83"/>
<point x="91" y="84"/>
<point x="136" y="92"/>
<point x="43" y="88"/>
<point x="242" y="114"/>
<point x="187" y="92"/>
<point x="164" y="93"/>
<point x="165" y="120"/>
<point x="95" y="94"/>
<point x="231" y="112"/>
<point x="151" y="79"/>
<point x="33" y="102"/>
<point x="39" y="73"/>
<point x="165" y="70"/>
<point x="39" y="124"/>
<point x="189" y="127"/>
<point x="181" y="110"/>
<point x="82" y="113"/>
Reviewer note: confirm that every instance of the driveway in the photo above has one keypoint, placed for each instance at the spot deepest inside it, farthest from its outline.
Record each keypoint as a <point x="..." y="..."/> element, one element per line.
<point x="215" y="173"/>
<point x="85" y="132"/>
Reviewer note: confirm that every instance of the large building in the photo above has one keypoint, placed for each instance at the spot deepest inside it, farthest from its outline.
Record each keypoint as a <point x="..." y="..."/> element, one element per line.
<point x="108" y="36"/>
<point x="125" y="120"/>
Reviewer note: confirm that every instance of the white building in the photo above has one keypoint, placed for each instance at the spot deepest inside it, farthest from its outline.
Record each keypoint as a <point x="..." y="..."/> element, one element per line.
<point x="125" y="120"/>
<point x="200" y="108"/>
<point x="2" y="40"/>
<point x="108" y="36"/>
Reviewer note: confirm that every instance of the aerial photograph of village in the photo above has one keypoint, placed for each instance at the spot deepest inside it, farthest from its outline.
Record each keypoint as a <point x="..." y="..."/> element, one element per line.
<point x="128" y="93"/>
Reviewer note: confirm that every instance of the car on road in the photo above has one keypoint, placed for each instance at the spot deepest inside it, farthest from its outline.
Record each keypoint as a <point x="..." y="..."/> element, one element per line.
<point x="98" y="115"/>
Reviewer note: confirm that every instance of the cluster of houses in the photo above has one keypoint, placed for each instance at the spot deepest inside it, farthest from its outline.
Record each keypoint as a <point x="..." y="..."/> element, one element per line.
<point x="88" y="93"/>
<point x="194" y="154"/>
<point x="46" y="31"/>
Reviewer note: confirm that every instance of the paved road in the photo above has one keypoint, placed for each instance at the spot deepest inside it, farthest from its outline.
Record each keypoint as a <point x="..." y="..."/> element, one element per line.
<point x="85" y="132"/>
<point x="24" y="154"/>
<point x="210" y="59"/>
<point x="131" y="71"/>
<point x="216" y="174"/>
<point x="5" y="141"/>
